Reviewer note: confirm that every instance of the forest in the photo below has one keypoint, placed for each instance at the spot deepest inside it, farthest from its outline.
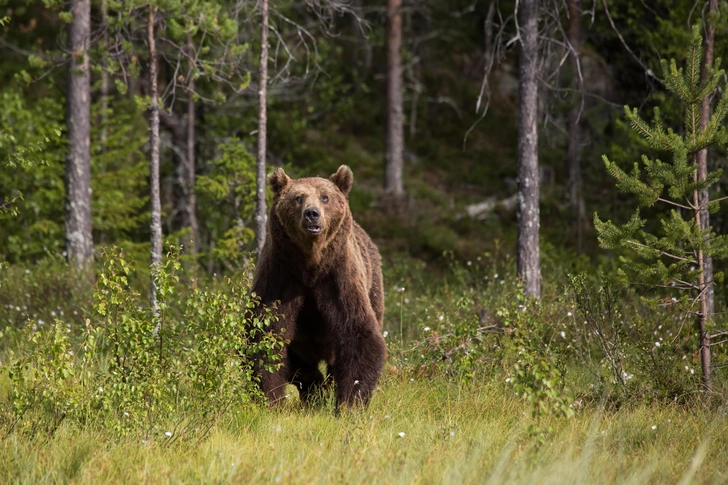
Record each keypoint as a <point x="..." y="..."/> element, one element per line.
<point x="544" y="180"/>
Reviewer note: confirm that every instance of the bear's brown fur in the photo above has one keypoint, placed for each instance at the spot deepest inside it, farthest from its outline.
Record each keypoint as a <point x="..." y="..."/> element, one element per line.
<point x="326" y="273"/>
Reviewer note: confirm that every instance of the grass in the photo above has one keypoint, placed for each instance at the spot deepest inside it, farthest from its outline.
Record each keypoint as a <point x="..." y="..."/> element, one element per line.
<point x="414" y="432"/>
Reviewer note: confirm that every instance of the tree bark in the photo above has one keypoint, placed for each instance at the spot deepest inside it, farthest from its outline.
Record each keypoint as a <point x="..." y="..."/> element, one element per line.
<point x="528" y="258"/>
<point x="190" y="212"/>
<point x="261" y="216"/>
<point x="573" y="149"/>
<point x="393" y="182"/>
<point x="104" y="79"/>
<point x="79" y="235"/>
<point x="156" y="206"/>
<point x="707" y="296"/>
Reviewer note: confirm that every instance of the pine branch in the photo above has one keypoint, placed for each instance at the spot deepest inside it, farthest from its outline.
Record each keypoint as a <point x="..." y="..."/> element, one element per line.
<point x="660" y="199"/>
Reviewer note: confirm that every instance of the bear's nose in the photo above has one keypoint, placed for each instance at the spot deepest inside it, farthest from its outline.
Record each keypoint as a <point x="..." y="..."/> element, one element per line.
<point x="311" y="215"/>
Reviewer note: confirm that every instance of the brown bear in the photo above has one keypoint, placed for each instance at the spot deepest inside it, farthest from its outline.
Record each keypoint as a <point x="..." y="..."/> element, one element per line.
<point x="325" y="272"/>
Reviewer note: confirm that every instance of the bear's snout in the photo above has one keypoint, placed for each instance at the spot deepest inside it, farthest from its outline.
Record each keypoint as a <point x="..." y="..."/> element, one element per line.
<point x="311" y="224"/>
<point x="311" y="214"/>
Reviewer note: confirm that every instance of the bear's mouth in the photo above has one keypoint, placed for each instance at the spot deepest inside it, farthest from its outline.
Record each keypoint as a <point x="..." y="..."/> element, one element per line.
<point x="313" y="229"/>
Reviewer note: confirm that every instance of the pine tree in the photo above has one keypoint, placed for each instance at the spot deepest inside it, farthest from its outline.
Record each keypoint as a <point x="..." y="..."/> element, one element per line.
<point x="676" y="258"/>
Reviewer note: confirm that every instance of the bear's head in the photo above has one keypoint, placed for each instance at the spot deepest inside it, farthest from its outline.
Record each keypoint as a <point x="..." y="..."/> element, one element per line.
<point x="311" y="209"/>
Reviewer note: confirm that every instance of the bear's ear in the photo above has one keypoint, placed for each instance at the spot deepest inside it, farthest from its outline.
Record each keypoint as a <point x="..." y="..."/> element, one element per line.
<point x="278" y="180"/>
<point x="343" y="179"/>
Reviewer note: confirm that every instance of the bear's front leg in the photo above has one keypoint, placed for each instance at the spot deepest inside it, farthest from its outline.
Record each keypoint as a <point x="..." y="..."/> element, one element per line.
<point x="358" y="346"/>
<point x="359" y="360"/>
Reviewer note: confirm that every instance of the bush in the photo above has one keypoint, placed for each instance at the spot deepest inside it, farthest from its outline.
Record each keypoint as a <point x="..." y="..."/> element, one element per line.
<point x="633" y="348"/>
<point x="136" y="372"/>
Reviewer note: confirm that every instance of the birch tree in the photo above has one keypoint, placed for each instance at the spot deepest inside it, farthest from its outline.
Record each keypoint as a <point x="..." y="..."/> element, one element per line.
<point x="79" y="236"/>
<point x="156" y="205"/>
<point x="261" y="217"/>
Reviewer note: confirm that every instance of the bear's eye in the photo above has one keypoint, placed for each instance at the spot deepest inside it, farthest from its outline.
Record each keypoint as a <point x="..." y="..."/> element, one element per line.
<point x="299" y="199"/>
<point x="325" y="199"/>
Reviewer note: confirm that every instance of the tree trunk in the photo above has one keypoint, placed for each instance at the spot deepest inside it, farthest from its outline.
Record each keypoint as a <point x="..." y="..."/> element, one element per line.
<point x="156" y="206"/>
<point x="190" y="212"/>
<point x="573" y="149"/>
<point x="707" y="296"/>
<point x="79" y="235"/>
<point x="261" y="216"/>
<point x="529" y="265"/>
<point x="393" y="182"/>
<point x="104" y="79"/>
<point x="704" y="313"/>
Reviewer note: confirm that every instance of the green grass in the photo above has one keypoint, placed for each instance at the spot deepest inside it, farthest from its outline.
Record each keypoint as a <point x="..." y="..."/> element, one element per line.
<point x="453" y="433"/>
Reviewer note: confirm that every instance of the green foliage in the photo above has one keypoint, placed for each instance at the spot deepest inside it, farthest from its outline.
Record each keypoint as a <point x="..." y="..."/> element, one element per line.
<point x="672" y="258"/>
<point x="630" y="352"/>
<point x="42" y="393"/>
<point x="31" y="155"/>
<point x="462" y="339"/>
<point x="132" y="371"/>
<point x="119" y="173"/>
<point x="228" y="194"/>
<point x="539" y="374"/>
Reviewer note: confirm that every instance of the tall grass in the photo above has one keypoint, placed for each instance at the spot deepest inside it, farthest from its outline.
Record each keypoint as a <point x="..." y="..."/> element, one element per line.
<point x="430" y="421"/>
<point x="420" y="431"/>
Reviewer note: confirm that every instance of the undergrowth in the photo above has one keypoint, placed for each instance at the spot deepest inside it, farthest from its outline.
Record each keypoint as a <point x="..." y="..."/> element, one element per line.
<point x="553" y="373"/>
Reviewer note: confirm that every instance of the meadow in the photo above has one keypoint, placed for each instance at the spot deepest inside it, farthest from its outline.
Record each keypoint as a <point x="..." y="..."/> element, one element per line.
<point x="481" y="386"/>
<point x="415" y="431"/>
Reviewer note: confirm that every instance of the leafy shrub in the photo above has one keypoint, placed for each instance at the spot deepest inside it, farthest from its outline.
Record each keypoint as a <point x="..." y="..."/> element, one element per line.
<point x="136" y="372"/>
<point x="633" y="348"/>
<point x="482" y="323"/>
<point x="538" y="374"/>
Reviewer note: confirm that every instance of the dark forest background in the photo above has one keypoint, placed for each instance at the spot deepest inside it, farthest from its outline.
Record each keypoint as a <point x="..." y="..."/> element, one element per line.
<point x="327" y="106"/>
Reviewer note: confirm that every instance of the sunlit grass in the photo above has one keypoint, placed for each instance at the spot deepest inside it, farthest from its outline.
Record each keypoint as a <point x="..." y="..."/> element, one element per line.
<point x="422" y="431"/>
